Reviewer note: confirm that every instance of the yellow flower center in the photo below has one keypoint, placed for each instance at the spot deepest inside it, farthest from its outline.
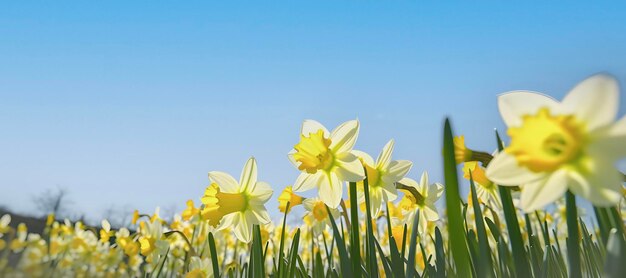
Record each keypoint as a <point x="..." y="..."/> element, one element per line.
<point x="543" y="142"/>
<point x="218" y="204"/>
<point x="319" y="211"/>
<point x="313" y="152"/>
<point x="409" y="202"/>
<point x="147" y="245"/>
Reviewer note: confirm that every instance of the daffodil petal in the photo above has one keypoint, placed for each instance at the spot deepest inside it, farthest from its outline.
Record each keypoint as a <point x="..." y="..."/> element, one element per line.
<point x="365" y="157"/>
<point x="594" y="101"/>
<point x="293" y="159"/>
<point x="331" y="190"/>
<point x="257" y="215"/>
<point x="248" y="176"/>
<point x="384" y="158"/>
<point x="306" y="181"/>
<point x="538" y="194"/>
<point x="261" y="193"/>
<point x="344" y="136"/>
<point x="397" y="170"/>
<point x="430" y="211"/>
<point x="243" y="227"/>
<point x="513" y="105"/>
<point x="349" y="168"/>
<point x="376" y="201"/>
<point x="610" y="142"/>
<point x="504" y="170"/>
<point x="225" y="181"/>
<point x="435" y="191"/>
<point x="602" y="188"/>
<point x="423" y="184"/>
<point x="311" y="126"/>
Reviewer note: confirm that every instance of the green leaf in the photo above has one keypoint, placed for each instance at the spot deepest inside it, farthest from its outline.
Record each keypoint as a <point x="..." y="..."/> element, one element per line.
<point x="355" y="246"/>
<point x="370" y="251"/>
<point x="440" y="260"/>
<point x="456" y="229"/>
<point x="573" y="238"/>
<point x="410" y="266"/>
<point x="344" y="259"/>
<point x="281" y="248"/>
<point x="517" y="243"/>
<point x="484" y="268"/>
<point x="293" y="254"/>
<point x="214" y="261"/>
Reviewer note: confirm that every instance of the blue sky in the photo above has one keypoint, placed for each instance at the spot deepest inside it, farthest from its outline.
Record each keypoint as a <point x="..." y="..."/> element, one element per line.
<point x="133" y="103"/>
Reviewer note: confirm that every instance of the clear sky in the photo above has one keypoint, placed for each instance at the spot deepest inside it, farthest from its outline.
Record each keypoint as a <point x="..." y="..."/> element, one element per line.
<point x="134" y="102"/>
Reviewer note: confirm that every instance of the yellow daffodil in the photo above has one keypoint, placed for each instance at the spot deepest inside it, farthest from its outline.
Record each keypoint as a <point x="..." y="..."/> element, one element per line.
<point x="135" y="217"/>
<point x="382" y="176"/>
<point x="461" y="152"/>
<point x="288" y="196"/>
<point x="424" y="206"/>
<point x="237" y="204"/>
<point x="556" y="146"/>
<point x="486" y="190"/>
<point x="105" y="232"/>
<point x="190" y="211"/>
<point x="326" y="160"/>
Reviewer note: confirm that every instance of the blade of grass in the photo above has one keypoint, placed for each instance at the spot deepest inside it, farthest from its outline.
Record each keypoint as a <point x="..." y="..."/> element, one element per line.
<point x="453" y="204"/>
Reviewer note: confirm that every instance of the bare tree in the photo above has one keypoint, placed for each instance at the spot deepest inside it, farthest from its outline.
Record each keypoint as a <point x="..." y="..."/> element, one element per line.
<point x="52" y="201"/>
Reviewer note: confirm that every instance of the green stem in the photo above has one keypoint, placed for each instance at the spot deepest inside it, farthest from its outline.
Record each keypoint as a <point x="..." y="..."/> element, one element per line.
<point x="573" y="238"/>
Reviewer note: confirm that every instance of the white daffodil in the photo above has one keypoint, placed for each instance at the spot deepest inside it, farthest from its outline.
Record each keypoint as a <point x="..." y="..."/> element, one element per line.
<point x="424" y="205"/>
<point x="382" y="176"/>
<point x="240" y="205"/>
<point x="317" y="215"/>
<point x="556" y="146"/>
<point x="326" y="160"/>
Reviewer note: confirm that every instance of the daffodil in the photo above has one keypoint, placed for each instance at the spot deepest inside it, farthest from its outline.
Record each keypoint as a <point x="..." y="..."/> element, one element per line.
<point x="200" y="268"/>
<point x="287" y="196"/>
<point x="461" y="152"/>
<point x="559" y="146"/>
<point x="382" y="176"/>
<point x="237" y="204"/>
<point x="105" y="232"/>
<point x="326" y="160"/>
<point x="424" y="206"/>
<point x="486" y="190"/>
<point x="190" y="211"/>
<point x="317" y="214"/>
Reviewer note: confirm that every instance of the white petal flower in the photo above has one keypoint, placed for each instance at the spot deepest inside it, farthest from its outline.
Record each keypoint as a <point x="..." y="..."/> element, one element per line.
<point x="239" y="204"/>
<point x="326" y="160"/>
<point x="559" y="146"/>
